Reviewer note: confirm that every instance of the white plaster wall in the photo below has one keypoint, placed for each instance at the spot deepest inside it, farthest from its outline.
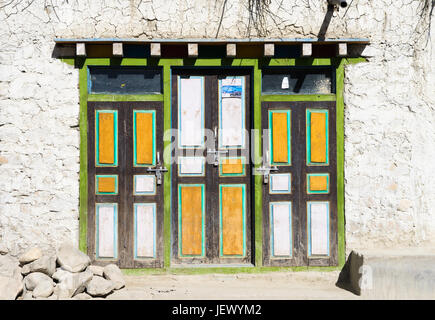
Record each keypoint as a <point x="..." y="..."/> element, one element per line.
<point x="389" y="116"/>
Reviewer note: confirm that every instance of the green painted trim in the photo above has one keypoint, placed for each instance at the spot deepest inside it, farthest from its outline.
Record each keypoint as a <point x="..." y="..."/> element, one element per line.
<point x="83" y="124"/>
<point x="341" y="234"/>
<point x="223" y="270"/>
<point x="69" y="61"/>
<point x="298" y="62"/>
<point x="258" y="179"/>
<point x="125" y="97"/>
<point x="308" y="97"/>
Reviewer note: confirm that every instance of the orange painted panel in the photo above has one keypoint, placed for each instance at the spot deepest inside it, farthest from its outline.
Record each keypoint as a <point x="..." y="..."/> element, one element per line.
<point x="106" y="184"/>
<point x="232" y="220"/>
<point x="279" y="137"/>
<point x="191" y="220"/>
<point x="318" y="183"/>
<point x="232" y="166"/>
<point x="318" y="137"/>
<point x="106" y="138"/>
<point x="144" y="138"/>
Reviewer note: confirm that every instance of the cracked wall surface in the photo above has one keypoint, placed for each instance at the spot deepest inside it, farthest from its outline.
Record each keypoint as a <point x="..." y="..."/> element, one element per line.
<point x="389" y="105"/>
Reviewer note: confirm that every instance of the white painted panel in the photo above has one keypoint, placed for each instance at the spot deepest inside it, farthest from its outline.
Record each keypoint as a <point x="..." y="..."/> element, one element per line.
<point x="281" y="229"/>
<point x="191" y="113"/>
<point x="145" y="184"/>
<point x="191" y="165"/>
<point x="106" y="235"/>
<point x="280" y="182"/>
<point x="319" y="228"/>
<point x="232" y="113"/>
<point x="145" y="230"/>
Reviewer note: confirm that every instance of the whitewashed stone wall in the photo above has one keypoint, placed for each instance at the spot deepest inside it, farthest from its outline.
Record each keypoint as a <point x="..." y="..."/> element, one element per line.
<point x="389" y="116"/>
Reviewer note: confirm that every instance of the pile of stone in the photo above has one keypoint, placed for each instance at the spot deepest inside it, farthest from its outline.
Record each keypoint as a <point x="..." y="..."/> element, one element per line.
<point x="66" y="275"/>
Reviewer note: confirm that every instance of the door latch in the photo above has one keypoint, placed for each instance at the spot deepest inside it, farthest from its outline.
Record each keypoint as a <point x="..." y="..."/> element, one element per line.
<point x="265" y="169"/>
<point x="216" y="155"/>
<point x="158" y="169"/>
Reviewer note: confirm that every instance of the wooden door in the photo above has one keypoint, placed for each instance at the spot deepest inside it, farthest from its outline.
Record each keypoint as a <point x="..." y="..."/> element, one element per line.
<point x="300" y="196"/>
<point x="125" y="200"/>
<point x="211" y="216"/>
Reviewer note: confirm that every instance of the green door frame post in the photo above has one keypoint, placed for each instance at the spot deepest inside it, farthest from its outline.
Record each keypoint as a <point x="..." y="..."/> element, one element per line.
<point x="257" y="65"/>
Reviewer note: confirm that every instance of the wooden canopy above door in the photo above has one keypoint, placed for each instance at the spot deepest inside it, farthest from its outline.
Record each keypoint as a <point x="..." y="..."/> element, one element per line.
<point x="209" y="48"/>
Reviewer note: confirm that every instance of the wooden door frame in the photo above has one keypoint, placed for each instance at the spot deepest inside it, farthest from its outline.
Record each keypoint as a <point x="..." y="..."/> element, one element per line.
<point x="256" y="64"/>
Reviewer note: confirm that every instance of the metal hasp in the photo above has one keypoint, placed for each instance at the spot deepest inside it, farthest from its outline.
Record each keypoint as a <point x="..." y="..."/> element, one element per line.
<point x="216" y="152"/>
<point x="158" y="169"/>
<point x="216" y="155"/>
<point x="265" y="169"/>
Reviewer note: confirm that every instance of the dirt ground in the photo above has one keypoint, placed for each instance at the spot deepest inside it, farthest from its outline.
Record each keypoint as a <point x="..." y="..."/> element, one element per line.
<point x="275" y="285"/>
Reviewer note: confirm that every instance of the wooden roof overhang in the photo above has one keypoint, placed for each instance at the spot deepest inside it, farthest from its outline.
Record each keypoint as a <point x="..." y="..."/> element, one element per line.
<point x="216" y="48"/>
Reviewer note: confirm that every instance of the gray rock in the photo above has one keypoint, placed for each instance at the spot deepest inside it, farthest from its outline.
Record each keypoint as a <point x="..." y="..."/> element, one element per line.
<point x="43" y="290"/>
<point x="10" y="267"/>
<point x="3" y="249"/>
<point x="28" y="295"/>
<point x="32" y="280"/>
<point x="10" y="288"/>
<point x="114" y="274"/>
<point x="99" y="287"/>
<point x="61" y="274"/>
<point x="71" y="284"/>
<point x="25" y="270"/>
<point x="45" y="264"/>
<point x="96" y="270"/>
<point x="71" y="259"/>
<point x="30" y="255"/>
<point x="82" y="296"/>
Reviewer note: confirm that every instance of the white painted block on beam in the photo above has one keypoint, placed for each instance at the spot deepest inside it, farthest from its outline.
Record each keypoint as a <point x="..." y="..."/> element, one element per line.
<point x="192" y="49"/>
<point x="155" y="50"/>
<point x="81" y="49"/>
<point x="231" y="50"/>
<point x="269" y="49"/>
<point x="307" y="49"/>
<point x="342" y="49"/>
<point x="117" y="49"/>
